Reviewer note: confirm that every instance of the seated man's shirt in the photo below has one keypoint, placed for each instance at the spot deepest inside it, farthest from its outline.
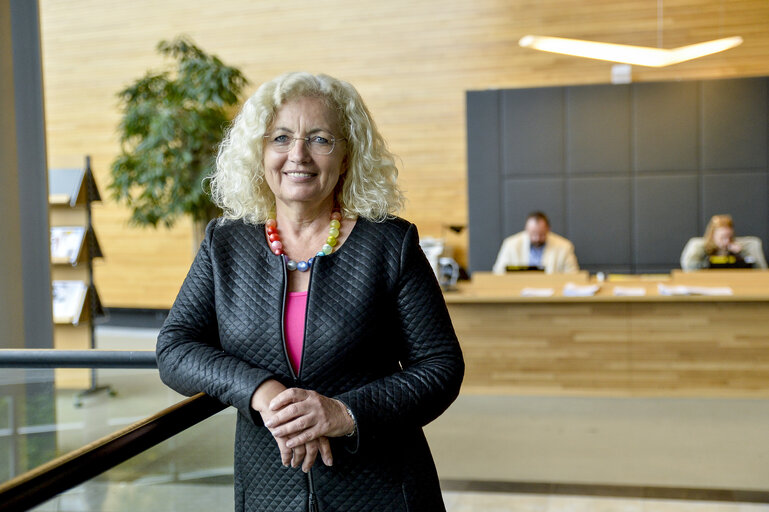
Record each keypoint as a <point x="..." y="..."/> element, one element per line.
<point x="535" y="256"/>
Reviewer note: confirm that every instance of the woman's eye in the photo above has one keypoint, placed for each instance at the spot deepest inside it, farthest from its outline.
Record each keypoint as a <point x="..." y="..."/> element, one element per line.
<point x="320" y="140"/>
<point x="280" y="139"/>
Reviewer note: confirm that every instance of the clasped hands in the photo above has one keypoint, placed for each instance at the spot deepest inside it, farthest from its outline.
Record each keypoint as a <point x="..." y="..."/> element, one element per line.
<point x="301" y="421"/>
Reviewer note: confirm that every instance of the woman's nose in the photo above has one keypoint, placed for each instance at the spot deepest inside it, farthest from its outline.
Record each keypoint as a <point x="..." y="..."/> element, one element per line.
<point x="299" y="151"/>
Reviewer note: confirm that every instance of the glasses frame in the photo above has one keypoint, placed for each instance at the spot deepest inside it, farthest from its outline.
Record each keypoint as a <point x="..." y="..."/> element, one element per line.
<point x="306" y="140"/>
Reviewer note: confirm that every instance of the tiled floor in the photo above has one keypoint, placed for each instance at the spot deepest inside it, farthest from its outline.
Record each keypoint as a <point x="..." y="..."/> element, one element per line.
<point x="188" y="498"/>
<point x="692" y="443"/>
<point x="489" y="502"/>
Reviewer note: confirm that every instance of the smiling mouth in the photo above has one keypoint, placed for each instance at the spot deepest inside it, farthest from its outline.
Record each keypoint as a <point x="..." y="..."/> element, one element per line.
<point x="300" y="174"/>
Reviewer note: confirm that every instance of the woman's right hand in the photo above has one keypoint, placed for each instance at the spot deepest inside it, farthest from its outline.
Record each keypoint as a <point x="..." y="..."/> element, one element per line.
<point x="302" y="455"/>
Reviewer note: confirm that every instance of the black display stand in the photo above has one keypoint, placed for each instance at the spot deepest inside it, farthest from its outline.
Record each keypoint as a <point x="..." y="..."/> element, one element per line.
<point x="71" y="193"/>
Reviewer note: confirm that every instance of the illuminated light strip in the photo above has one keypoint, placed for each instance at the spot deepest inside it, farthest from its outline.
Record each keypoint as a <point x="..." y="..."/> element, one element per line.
<point x="628" y="54"/>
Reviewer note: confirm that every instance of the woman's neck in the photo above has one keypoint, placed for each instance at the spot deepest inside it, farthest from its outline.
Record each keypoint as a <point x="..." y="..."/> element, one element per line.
<point x="298" y="221"/>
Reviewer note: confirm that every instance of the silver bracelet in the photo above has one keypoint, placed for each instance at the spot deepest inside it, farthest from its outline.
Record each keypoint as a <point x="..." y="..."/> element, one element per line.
<point x="354" y="423"/>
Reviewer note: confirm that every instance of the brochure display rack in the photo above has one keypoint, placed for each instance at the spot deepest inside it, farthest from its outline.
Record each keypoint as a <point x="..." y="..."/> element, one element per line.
<point x="76" y="304"/>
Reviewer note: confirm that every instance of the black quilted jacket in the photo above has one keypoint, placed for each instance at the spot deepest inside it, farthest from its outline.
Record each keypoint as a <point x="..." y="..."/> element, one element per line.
<point x="377" y="337"/>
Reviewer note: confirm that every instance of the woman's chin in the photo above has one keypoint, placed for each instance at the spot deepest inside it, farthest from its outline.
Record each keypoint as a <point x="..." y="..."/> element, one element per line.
<point x="303" y="198"/>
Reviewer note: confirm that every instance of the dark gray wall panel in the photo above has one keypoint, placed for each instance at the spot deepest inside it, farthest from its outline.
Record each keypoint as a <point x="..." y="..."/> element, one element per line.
<point x="484" y="170"/>
<point x="665" y="217"/>
<point x="734" y="124"/>
<point x="526" y="195"/>
<point x="599" y="220"/>
<point x="743" y="196"/>
<point x="598" y="129"/>
<point x="694" y="149"/>
<point x="666" y="119"/>
<point x="532" y="131"/>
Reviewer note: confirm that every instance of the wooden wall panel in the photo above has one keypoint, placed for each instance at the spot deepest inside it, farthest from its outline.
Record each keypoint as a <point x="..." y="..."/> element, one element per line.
<point x="411" y="61"/>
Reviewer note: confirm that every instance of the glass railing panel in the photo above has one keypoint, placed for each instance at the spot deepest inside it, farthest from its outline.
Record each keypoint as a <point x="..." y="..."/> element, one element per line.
<point x="192" y="471"/>
<point x="39" y="420"/>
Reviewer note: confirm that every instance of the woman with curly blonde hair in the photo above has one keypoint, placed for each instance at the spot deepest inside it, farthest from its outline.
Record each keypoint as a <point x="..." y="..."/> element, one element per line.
<point x="311" y="309"/>
<point x="367" y="187"/>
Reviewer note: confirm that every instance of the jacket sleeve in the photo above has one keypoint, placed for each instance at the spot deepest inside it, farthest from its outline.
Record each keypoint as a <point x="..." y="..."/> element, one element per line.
<point x="189" y="354"/>
<point x="431" y="359"/>
<point x="693" y="255"/>
<point x="502" y="258"/>
<point x="570" y="264"/>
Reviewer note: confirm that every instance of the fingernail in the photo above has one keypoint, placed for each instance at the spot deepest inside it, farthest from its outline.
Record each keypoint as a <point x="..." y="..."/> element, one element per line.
<point x="268" y="423"/>
<point x="290" y="444"/>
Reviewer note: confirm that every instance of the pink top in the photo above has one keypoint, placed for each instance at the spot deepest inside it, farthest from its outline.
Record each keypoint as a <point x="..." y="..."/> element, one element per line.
<point x="296" y="307"/>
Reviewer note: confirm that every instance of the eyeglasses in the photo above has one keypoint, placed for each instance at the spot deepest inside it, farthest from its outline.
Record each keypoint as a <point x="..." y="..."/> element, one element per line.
<point x="318" y="144"/>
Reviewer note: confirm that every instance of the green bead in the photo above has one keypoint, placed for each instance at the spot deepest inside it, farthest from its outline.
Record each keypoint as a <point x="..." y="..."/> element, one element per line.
<point x="327" y="249"/>
<point x="335" y="224"/>
<point x="333" y="232"/>
<point x="331" y="241"/>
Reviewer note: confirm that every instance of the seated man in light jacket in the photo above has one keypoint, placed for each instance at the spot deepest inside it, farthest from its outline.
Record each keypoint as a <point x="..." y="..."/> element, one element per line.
<point x="537" y="246"/>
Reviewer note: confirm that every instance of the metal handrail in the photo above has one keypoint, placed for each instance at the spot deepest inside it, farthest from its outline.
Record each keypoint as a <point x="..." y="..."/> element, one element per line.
<point x="93" y="358"/>
<point x="44" y="482"/>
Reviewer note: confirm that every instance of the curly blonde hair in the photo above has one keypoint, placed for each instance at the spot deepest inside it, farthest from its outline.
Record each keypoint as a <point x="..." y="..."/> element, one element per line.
<point x="367" y="189"/>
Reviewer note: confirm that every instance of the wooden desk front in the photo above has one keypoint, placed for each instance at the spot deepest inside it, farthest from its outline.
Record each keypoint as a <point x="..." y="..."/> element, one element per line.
<point x="606" y="345"/>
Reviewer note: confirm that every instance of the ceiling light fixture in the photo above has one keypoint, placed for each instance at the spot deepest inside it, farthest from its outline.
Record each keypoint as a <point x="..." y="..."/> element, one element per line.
<point x="628" y="54"/>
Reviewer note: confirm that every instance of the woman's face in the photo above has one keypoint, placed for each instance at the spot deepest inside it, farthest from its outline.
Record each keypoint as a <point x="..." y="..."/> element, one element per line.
<point x="722" y="237"/>
<point x="301" y="178"/>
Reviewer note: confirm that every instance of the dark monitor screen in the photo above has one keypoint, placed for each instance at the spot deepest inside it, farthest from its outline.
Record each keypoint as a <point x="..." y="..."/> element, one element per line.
<point x="727" y="261"/>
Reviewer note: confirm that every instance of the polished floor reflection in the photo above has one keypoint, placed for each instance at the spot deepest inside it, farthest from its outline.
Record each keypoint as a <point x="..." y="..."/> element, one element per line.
<point x="521" y="443"/>
<point x="105" y="497"/>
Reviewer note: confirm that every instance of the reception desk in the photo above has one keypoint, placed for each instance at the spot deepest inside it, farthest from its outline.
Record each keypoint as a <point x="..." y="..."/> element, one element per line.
<point x="648" y="345"/>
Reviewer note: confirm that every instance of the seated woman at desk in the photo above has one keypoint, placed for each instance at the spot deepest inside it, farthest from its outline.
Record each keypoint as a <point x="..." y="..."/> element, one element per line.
<point x="719" y="248"/>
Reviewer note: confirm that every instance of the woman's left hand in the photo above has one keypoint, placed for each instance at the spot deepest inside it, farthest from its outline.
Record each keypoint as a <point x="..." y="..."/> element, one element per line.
<point x="303" y="415"/>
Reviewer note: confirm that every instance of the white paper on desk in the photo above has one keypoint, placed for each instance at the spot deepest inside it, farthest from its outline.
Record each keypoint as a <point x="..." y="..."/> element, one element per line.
<point x="694" y="290"/>
<point x="629" y="291"/>
<point x="574" y="290"/>
<point x="537" y="292"/>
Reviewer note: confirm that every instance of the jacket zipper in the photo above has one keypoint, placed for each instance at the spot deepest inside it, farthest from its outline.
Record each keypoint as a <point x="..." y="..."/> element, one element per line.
<point x="283" y="321"/>
<point x="312" y="504"/>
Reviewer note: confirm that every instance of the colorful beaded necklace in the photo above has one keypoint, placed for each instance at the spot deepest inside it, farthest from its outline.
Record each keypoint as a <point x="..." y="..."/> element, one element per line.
<point x="271" y="226"/>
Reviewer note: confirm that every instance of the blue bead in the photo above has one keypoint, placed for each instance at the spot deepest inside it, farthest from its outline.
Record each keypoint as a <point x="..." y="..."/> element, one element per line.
<point x="320" y="253"/>
<point x="302" y="266"/>
<point x="310" y="261"/>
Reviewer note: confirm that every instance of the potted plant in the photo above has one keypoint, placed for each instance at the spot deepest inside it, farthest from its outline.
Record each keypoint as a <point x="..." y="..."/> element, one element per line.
<point x="172" y="122"/>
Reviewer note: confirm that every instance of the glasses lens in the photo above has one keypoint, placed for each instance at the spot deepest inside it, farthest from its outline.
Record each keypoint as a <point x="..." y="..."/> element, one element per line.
<point x="320" y="145"/>
<point x="280" y="142"/>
